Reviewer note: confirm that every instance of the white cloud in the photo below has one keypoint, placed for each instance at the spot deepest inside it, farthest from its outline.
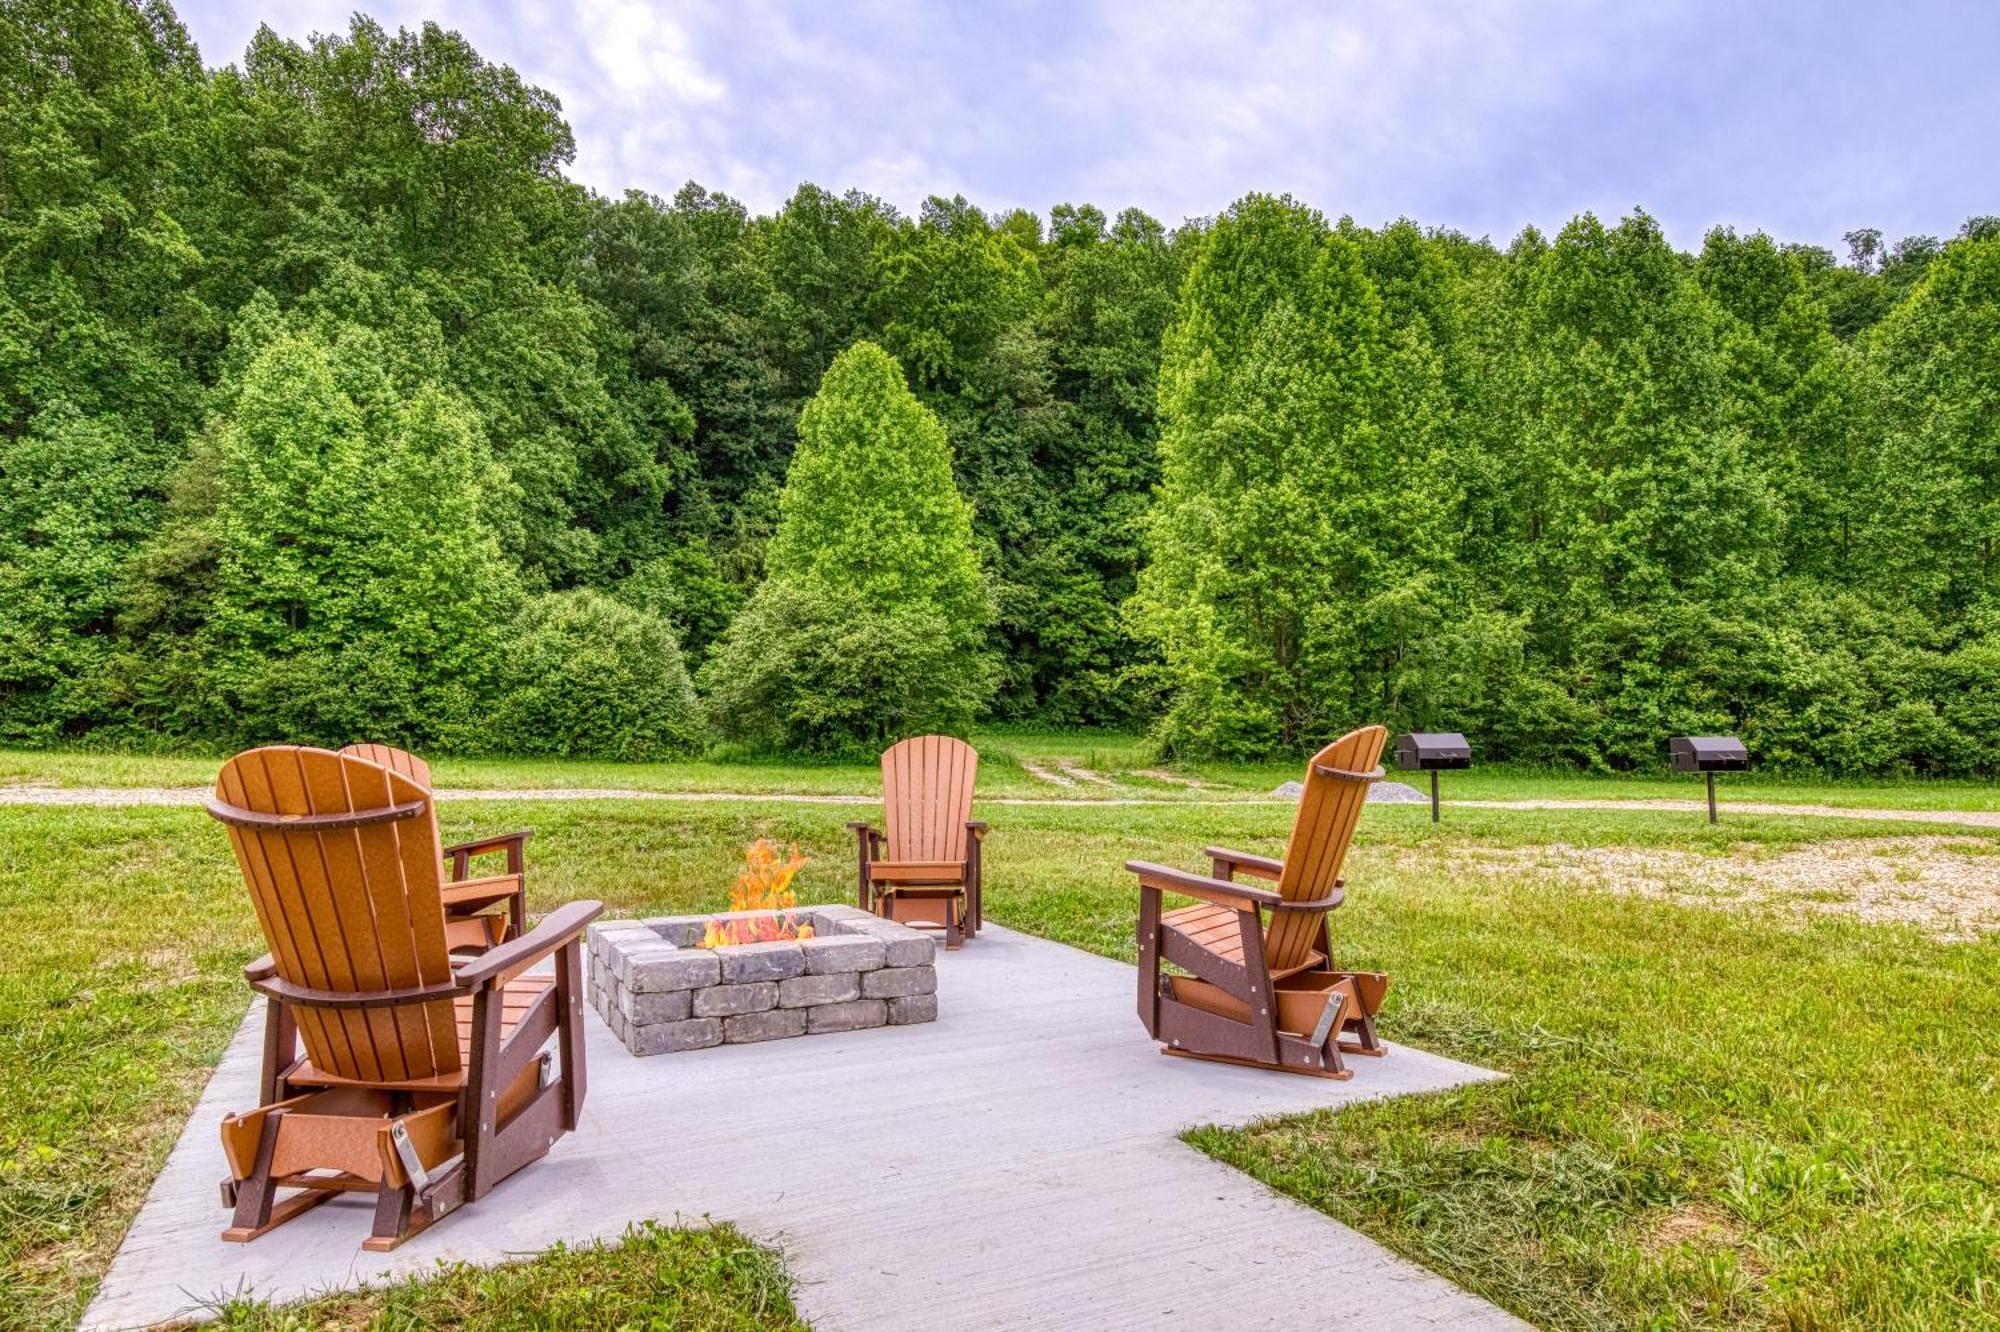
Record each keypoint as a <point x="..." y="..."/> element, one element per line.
<point x="643" y="51"/>
<point x="1482" y="116"/>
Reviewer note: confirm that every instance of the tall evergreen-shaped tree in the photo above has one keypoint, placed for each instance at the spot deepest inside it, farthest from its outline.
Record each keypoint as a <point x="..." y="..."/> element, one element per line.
<point x="871" y="621"/>
<point x="1297" y="507"/>
<point x="1936" y="361"/>
<point x="356" y="589"/>
<point x="1643" y="528"/>
<point x="1794" y="394"/>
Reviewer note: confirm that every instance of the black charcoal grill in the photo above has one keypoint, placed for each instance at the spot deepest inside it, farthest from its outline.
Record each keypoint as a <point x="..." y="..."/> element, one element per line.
<point x="1432" y="752"/>
<point x="1708" y="755"/>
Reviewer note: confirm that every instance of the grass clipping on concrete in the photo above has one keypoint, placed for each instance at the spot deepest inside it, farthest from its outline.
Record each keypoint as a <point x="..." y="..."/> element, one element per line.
<point x="1733" y="1113"/>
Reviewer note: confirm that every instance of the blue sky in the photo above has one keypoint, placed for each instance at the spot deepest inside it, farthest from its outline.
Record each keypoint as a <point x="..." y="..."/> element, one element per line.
<point x="1804" y="120"/>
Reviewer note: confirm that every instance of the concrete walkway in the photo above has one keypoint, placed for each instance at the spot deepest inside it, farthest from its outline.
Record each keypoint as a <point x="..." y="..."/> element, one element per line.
<point x="1012" y="1165"/>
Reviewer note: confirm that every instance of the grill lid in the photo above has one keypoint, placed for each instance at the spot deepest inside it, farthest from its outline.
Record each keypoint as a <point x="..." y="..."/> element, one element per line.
<point x="1423" y="751"/>
<point x="1707" y="753"/>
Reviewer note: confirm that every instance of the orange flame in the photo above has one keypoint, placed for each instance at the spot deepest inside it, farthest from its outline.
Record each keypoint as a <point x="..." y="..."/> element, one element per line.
<point x="764" y="885"/>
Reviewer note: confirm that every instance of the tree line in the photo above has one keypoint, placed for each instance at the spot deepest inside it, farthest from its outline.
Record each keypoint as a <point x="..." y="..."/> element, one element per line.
<point x="330" y="408"/>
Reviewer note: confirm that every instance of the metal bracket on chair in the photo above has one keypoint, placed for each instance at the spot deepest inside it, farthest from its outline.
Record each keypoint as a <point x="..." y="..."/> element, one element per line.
<point x="413" y="1166"/>
<point x="1324" y="1027"/>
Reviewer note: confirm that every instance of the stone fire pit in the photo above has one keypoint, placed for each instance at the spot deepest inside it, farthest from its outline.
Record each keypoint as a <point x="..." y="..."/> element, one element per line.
<point x="660" y="993"/>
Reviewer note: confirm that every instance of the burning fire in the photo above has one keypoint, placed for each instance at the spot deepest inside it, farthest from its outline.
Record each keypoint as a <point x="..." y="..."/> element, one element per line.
<point x="764" y="885"/>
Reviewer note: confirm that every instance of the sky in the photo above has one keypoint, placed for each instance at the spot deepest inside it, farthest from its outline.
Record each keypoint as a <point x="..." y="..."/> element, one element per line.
<point x="1802" y="119"/>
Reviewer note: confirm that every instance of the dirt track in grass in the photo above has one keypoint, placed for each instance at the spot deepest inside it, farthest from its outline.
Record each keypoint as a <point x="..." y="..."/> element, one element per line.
<point x="1949" y="887"/>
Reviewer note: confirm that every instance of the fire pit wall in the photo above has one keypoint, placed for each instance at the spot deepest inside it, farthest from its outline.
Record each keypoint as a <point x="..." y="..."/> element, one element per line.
<point x="660" y="993"/>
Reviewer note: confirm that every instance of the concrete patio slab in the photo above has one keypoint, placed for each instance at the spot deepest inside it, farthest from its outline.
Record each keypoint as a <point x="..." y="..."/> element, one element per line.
<point x="1012" y="1165"/>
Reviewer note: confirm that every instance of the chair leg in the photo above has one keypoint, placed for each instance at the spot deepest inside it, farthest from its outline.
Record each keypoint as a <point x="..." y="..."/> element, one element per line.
<point x="479" y="1104"/>
<point x="1149" y="961"/>
<point x="1263" y="1002"/>
<point x="281" y="1046"/>
<point x="975" y="875"/>
<point x="256" y="1207"/>
<point x="253" y="1197"/>
<point x="569" y="1031"/>
<point x="392" y="1217"/>
<point x="1367" y="1042"/>
<point x="401" y="1214"/>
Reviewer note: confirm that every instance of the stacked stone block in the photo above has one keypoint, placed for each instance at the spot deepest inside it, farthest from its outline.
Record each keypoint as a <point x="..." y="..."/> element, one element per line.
<point x="659" y="992"/>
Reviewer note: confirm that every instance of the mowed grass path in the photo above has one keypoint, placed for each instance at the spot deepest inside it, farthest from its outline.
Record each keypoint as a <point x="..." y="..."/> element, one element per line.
<point x="1083" y="766"/>
<point x="1717" y="1117"/>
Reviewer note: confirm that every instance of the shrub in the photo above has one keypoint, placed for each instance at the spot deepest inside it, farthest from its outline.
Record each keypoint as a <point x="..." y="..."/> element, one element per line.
<point x="686" y="589"/>
<point x="590" y="677"/>
<point x="872" y="621"/>
<point x="813" y="669"/>
<point x="351" y="586"/>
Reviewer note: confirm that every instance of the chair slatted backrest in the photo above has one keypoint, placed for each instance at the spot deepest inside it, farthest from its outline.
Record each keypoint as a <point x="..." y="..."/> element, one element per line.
<point x="348" y="905"/>
<point x="395" y="760"/>
<point x="927" y="796"/>
<point x="1329" y="808"/>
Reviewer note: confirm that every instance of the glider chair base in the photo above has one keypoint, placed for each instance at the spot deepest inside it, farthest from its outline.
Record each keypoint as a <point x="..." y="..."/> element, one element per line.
<point x="940" y="896"/>
<point x="1199" y="1020"/>
<point x="401" y="1144"/>
<point x="944" y="909"/>
<point x="342" y="1140"/>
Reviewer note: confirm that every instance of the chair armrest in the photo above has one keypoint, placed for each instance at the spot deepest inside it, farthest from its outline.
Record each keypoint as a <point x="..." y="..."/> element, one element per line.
<point x="559" y="927"/>
<point x="1227" y="861"/>
<point x="977" y="828"/>
<point x="486" y="844"/>
<point x="460" y="894"/>
<point x="263" y="968"/>
<point x="514" y="844"/>
<point x="1221" y="892"/>
<point x="1327" y="903"/>
<point x="860" y="826"/>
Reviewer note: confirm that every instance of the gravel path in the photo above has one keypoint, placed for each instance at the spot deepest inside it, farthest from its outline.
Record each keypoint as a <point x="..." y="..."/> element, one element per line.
<point x="1973" y="818"/>
<point x="111" y="797"/>
<point x="1946" y="886"/>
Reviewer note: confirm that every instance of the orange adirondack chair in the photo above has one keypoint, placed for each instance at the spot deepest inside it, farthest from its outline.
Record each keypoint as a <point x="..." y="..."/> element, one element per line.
<point x="424" y="1080"/>
<point x="1264" y="992"/>
<point x="469" y="920"/>
<point x="925" y="872"/>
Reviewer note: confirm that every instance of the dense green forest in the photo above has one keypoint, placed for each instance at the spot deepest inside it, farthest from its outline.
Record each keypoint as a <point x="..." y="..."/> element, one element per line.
<point x="331" y="408"/>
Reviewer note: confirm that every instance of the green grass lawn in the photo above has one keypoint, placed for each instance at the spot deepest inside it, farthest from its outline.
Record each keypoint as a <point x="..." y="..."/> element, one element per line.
<point x="1728" y="1114"/>
<point x="687" y="1280"/>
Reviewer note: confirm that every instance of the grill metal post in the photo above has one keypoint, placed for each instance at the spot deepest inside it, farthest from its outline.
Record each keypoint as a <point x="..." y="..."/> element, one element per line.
<point x="1430" y="751"/>
<point x="1708" y="755"/>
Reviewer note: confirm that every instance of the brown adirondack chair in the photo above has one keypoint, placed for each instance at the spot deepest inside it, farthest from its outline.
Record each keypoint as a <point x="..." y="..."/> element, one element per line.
<point x="470" y="921"/>
<point x="424" y="1080"/>
<point x="925" y="870"/>
<point x="1264" y="992"/>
